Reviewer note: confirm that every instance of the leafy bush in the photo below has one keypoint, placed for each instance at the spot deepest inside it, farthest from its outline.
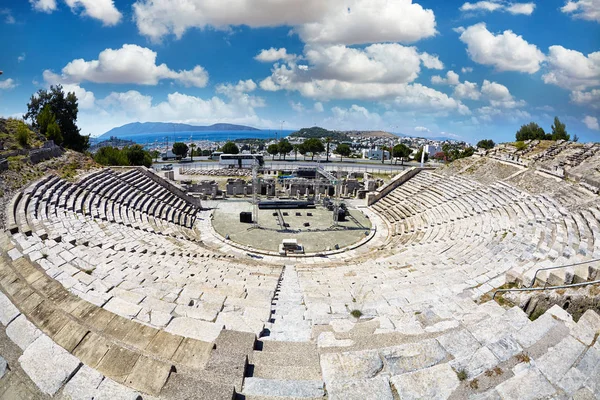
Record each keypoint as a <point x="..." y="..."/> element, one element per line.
<point x="22" y="135"/>
<point x="130" y="156"/>
<point x="486" y="144"/>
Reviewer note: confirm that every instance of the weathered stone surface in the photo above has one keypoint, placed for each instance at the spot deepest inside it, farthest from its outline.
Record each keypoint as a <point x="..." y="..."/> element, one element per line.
<point x="14" y="254"/>
<point x="375" y="388"/>
<point x="8" y="311"/>
<point x="435" y="383"/>
<point x="194" y="329"/>
<point x="84" y="385"/>
<point x="505" y="348"/>
<point x="481" y="361"/>
<point x="118" y="363"/>
<point x="193" y="353"/>
<point x="283" y="388"/>
<point x="3" y="367"/>
<point x="70" y="335"/>
<point x="148" y="375"/>
<point x="587" y="327"/>
<point x="529" y="384"/>
<point x="22" y="332"/>
<point x="327" y="339"/>
<point x="111" y="390"/>
<point x="350" y="366"/>
<point x="413" y="356"/>
<point x="122" y="307"/>
<point x="559" y="359"/>
<point x="47" y="364"/>
<point x="164" y="344"/>
<point x="92" y="349"/>
<point x="459" y="343"/>
<point x="533" y="332"/>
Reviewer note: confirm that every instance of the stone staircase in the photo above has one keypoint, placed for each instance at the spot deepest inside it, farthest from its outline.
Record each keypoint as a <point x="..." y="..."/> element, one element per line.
<point x="284" y="370"/>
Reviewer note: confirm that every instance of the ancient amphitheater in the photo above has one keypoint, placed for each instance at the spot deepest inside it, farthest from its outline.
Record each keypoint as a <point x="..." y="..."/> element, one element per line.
<point x="117" y="287"/>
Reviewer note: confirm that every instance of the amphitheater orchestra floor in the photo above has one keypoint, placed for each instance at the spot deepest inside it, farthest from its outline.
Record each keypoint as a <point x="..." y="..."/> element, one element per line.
<point x="320" y="235"/>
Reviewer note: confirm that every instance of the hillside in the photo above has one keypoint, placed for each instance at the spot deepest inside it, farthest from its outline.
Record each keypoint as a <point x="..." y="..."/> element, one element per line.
<point x="318" y="132"/>
<point x="137" y="128"/>
<point x="372" y="134"/>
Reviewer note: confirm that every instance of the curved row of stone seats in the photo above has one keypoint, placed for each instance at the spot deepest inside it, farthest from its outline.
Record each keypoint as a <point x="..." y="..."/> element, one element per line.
<point x="105" y="189"/>
<point x="508" y="355"/>
<point x="174" y="285"/>
<point x="78" y="350"/>
<point x="551" y="236"/>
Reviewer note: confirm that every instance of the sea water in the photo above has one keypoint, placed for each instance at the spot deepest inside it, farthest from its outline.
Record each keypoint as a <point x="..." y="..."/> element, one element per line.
<point x="211" y="136"/>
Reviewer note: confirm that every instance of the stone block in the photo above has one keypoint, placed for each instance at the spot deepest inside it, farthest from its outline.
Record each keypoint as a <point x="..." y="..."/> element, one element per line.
<point x="118" y="363"/>
<point x="48" y="365"/>
<point x="84" y="384"/>
<point x="200" y="330"/>
<point x="374" y="388"/>
<point x="122" y="308"/>
<point x="149" y="375"/>
<point x="22" y="332"/>
<point x="111" y="390"/>
<point x="3" y="367"/>
<point x="560" y="358"/>
<point x="413" y="356"/>
<point x="435" y="383"/>
<point x="587" y="327"/>
<point x="529" y="384"/>
<point x="350" y="366"/>
<point x="283" y="388"/>
<point x="8" y="311"/>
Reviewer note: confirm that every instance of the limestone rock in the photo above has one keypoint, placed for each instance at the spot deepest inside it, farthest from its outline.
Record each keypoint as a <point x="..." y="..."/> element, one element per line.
<point x="47" y="364"/>
<point x="375" y="388"/>
<point x="530" y="384"/>
<point x="22" y="332"/>
<point x="435" y="383"/>
<point x="350" y="366"/>
<point x="413" y="356"/>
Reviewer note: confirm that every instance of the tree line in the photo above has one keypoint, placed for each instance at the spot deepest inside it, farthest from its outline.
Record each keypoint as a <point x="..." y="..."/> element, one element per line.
<point x="532" y="131"/>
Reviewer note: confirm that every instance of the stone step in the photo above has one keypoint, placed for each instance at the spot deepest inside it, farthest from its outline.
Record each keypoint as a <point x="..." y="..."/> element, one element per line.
<point x="284" y="358"/>
<point x="258" y="388"/>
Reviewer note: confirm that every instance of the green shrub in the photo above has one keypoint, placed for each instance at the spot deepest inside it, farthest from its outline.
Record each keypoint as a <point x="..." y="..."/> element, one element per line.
<point x="22" y="135"/>
<point x="356" y="313"/>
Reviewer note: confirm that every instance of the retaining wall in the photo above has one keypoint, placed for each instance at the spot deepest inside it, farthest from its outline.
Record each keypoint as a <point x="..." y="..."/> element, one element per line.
<point x="396" y="181"/>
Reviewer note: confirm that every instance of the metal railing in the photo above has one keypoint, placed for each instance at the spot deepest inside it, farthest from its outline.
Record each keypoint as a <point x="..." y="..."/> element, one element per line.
<point x="558" y="267"/>
<point x="532" y="289"/>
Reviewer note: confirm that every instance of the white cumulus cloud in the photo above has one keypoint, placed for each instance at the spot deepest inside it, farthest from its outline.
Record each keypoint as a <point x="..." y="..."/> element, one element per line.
<point x="129" y="64"/>
<point x="571" y="69"/>
<point x="273" y="54"/>
<point x="583" y="9"/>
<point x="7" y="84"/>
<point x="316" y="21"/>
<point x="497" y="5"/>
<point x="451" y="78"/>
<point x="467" y="90"/>
<point x="590" y="98"/>
<point x="318" y="107"/>
<point x="591" y="122"/>
<point x="46" y="6"/>
<point x="499" y="95"/>
<point x="505" y="51"/>
<point x="102" y="10"/>
<point x="521" y="8"/>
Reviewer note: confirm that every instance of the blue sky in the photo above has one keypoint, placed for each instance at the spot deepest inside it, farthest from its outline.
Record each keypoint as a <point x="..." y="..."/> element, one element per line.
<point x="468" y="70"/>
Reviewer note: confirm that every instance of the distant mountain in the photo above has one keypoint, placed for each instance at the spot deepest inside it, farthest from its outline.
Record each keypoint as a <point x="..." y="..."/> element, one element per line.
<point x="137" y="128"/>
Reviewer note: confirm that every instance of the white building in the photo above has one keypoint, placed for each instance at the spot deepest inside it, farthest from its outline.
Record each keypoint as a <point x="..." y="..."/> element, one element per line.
<point x="431" y="149"/>
<point x="375" y="154"/>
